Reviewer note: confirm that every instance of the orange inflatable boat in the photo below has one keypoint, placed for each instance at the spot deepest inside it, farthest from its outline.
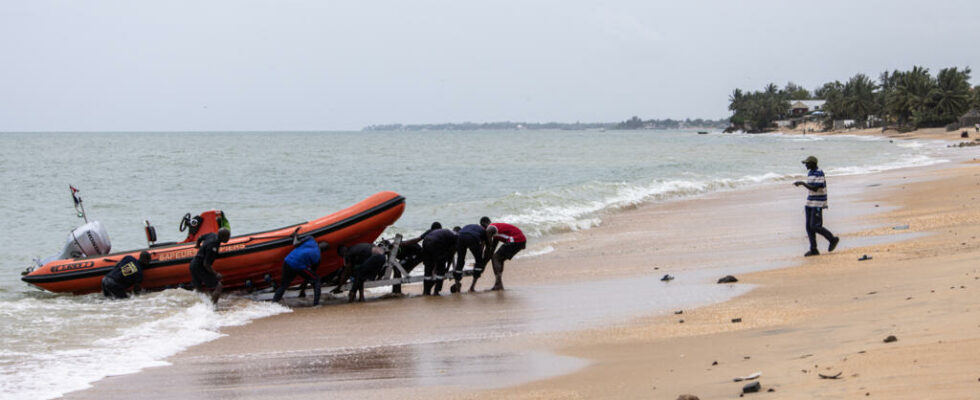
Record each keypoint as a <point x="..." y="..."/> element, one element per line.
<point x="245" y="261"/>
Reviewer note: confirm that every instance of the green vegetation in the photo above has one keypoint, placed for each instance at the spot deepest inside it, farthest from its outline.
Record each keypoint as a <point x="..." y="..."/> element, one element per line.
<point x="637" y="123"/>
<point x="632" y="123"/>
<point x="909" y="99"/>
<point x="755" y="111"/>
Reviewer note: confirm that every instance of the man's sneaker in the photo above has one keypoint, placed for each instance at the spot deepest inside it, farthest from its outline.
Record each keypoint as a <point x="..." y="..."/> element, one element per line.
<point x="833" y="244"/>
<point x="811" y="253"/>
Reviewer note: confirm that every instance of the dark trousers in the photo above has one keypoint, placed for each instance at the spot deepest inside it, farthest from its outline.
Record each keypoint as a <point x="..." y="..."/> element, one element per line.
<point x="288" y="274"/>
<point x="475" y="246"/>
<point x="111" y="288"/>
<point x="409" y="256"/>
<point x="814" y="225"/>
<point x="436" y="262"/>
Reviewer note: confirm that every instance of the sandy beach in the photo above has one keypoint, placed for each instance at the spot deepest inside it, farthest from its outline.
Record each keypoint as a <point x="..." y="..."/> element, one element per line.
<point x="592" y="319"/>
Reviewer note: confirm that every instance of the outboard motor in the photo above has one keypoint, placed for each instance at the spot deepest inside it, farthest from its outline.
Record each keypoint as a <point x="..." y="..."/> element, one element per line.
<point x="87" y="240"/>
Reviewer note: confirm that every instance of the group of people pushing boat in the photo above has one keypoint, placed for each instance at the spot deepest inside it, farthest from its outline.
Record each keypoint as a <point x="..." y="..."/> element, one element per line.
<point x="437" y="249"/>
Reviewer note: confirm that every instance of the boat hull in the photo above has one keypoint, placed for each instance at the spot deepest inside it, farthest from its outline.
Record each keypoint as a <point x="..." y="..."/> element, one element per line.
<point x="244" y="261"/>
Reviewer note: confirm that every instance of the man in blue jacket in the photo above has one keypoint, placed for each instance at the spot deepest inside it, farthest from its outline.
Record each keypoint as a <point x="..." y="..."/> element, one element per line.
<point x="302" y="261"/>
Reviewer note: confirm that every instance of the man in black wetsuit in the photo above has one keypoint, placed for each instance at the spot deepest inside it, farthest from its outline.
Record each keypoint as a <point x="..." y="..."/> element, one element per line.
<point x="409" y="256"/>
<point x="202" y="273"/>
<point x="362" y="261"/>
<point x="438" y="247"/>
<point x="127" y="273"/>
<point x="471" y="237"/>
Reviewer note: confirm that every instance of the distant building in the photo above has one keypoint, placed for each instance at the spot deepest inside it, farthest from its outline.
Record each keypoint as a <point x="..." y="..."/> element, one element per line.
<point x="801" y="107"/>
<point x="970" y="119"/>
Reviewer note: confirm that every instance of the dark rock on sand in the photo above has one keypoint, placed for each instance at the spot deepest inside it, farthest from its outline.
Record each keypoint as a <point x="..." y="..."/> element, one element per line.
<point x="667" y="278"/>
<point x="736" y="320"/>
<point x="891" y="338"/>
<point x="687" y="397"/>
<point x="752" y="387"/>
<point x="728" y="279"/>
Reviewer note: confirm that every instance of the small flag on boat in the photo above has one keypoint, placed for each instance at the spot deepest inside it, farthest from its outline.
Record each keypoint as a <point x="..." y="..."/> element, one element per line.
<point x="74" y="196"/>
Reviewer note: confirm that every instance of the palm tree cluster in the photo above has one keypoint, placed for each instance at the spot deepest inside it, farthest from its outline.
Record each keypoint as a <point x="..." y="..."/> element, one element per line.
<point x="912" y="99"/>
<point x="755" y="111"/>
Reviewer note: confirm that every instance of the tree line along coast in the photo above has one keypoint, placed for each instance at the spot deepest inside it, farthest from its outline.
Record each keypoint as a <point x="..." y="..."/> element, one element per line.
<point x="629" y="124"/>
<point x="899" y="100"/>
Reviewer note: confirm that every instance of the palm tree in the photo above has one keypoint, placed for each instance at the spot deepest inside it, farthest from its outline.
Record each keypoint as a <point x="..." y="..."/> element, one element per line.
<point x="910" y="99"/>
<point x="951" y="96"/>
<point x="858" y="100"/>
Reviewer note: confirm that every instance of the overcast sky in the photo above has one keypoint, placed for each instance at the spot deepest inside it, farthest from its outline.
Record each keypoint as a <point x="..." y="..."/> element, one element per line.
<point x="331" y="65"/>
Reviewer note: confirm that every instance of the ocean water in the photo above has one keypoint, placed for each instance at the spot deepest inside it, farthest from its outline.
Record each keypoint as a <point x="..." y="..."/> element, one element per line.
<point x="546" y="182"/>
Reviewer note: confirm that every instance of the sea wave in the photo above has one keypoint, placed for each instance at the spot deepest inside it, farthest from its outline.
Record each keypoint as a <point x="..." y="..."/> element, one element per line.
<point x="88" y="338"/>
<point x="920" y="160"/>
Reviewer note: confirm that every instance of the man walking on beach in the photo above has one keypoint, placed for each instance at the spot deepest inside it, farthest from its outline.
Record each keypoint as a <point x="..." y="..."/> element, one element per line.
<point x="816" y="201"/>
<point x="202" y="273"/>
<point x="514" y="241"/>
<point x="303" y="260"/>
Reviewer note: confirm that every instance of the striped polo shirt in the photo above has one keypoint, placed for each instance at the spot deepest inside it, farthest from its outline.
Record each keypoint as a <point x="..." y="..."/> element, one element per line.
<point x="816" y="198"/>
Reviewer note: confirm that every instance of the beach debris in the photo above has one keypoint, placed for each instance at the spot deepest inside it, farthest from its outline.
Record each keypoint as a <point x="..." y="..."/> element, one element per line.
<point x="891" y="338"/>
<point x="871" y="293"/>
<point x="667" y="278"/>
<point x="688" y="397"/>
<point x="752" y="387"/>
<point x="806" y="356"/>
<point x="864" y="258"/>
<point x="678" y="312"/>
<point x="771" y="390"/>
<point x="736" y="320"/>
<point x="835" y="376"/>
<point x="728" y="279"/>
<point x="964" y="134"/>
<point x="747" y="377"/>
<point x="681" y="321"/>
<point x="714" y="363"/>
<point x="900" y="227"/>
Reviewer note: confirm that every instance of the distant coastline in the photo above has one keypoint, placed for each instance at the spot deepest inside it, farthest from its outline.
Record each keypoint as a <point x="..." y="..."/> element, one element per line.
<point x="632" y="123"/>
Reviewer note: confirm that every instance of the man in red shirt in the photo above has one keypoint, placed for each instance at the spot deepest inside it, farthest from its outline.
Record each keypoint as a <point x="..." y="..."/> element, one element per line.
<point x="513" y="241"/>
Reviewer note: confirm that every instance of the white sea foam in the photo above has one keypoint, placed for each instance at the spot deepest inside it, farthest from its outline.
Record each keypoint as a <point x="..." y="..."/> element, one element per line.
<point x="911" y="161"/>
<point x="100" y="341"/>
<point x="536" y="252"/>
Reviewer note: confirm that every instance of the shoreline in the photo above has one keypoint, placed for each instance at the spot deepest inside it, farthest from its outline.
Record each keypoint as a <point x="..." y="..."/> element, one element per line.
<point x="835" y="323"/>
<point x="533" y="271"/>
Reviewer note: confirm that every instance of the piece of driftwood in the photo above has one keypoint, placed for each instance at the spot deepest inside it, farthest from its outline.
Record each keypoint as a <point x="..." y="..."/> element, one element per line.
<point x="747" y="377"/>
<point x="822" y="376"/>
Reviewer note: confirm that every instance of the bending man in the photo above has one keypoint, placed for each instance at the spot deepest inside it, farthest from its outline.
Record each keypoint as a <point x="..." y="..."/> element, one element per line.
<point x="303" y="261"/>
<point x="203" y="274"/>
<point x="127" y="273"/>
<point x="514" y="241"/>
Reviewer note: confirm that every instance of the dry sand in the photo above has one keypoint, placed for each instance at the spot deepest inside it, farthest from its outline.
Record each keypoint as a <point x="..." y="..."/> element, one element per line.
<point x="592" y="320"/>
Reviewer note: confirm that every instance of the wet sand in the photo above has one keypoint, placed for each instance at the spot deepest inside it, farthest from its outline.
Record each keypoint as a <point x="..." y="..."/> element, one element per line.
<point x="593" y="320"/>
